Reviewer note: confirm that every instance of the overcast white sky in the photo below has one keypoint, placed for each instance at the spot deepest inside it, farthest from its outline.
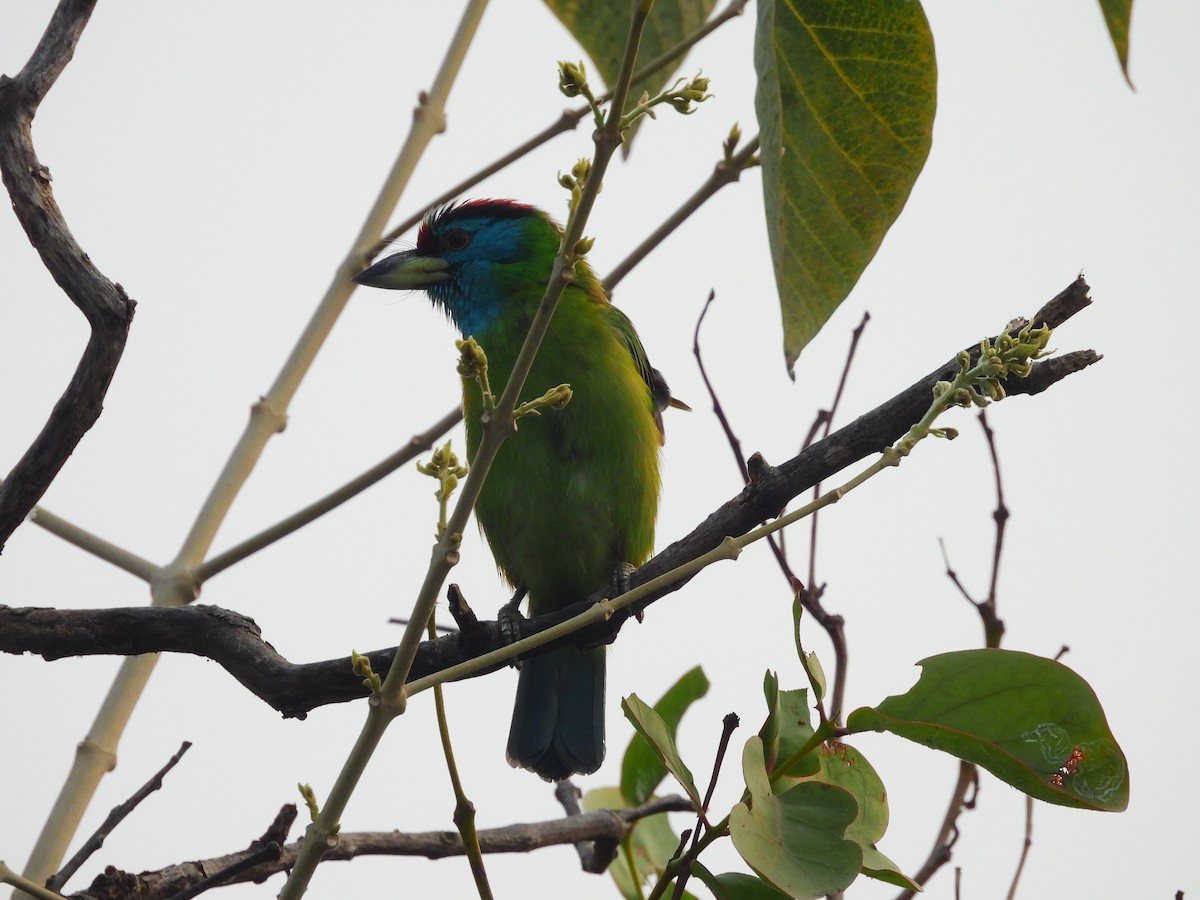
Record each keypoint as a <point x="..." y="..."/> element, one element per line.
<point x="216" y="159"/>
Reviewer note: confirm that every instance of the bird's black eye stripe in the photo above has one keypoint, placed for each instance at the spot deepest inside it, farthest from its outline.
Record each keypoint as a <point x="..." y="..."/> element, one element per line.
<point x="457" y="239"/>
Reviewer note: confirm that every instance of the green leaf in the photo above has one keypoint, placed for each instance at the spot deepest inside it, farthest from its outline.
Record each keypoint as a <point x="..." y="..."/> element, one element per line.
<point x="738" y="886"/>
<point x="641" y="769"/>
<point x="795" y="839"/>
<point x="1116" y="17"/>
<point x="657" y="733"/>
<point x="602" y="27"/>
<point x="877" y="866"/>
<point x="1029" y="721"/>
<point x="845" y="766"/>
<point x="846" y="98"/>
<point x="787" y="727"/>
<point x="649" y="847"/>
<point x="812" y="665"/>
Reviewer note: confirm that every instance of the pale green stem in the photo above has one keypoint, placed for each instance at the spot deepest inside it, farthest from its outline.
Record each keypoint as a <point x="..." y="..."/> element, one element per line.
<point x="418" y="443"/>
<point x="175" y="584"/>
<point x="498" y="424"/>
<point x="29" y="888"/>
<point x="729" y="548"/>
<point x="564" y="123"/>
<point x="93" y="544"/>
<point x="428" y="120"/>
<point x="725" y="172"/>
<point x="464" y="809"/>
<point x="627" y="858"/>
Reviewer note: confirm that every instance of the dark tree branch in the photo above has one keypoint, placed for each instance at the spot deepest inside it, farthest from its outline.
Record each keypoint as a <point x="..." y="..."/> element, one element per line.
<point x="112" y="820"/>
<point x="606" y="825"/>
<point x="993" y="633"/>
<point x="235" y="642"/>
<point x="595" y="856"/>
<point x="812" y="594"/>
<point x="108" y="310"/>
<point x="968" y="782"/>
<point x="1025" y="845"/>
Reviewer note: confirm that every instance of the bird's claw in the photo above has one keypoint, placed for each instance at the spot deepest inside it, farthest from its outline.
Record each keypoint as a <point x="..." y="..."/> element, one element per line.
<point x="621" y="584"/>
<point x="509" y="618"/>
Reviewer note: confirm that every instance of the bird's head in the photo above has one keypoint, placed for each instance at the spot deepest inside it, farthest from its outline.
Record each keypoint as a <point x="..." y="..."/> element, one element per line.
<point x="475" y="260"/>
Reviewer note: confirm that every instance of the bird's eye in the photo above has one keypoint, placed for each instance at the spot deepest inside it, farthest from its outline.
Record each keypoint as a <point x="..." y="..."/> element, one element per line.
<point x="457" y="240"/>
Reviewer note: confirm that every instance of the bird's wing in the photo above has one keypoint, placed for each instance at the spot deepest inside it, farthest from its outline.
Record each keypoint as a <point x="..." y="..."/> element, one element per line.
<point x="654" y="379"/>
<point x="624" y="328"/>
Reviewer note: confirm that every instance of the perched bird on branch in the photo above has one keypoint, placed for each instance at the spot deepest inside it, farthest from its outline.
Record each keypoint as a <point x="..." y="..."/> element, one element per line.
<point x="572" y="496"/>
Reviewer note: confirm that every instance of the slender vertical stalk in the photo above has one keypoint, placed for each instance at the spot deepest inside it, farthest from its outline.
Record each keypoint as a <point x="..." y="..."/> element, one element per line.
<point x="175" y="583"/>
<point x="498" y="424"/>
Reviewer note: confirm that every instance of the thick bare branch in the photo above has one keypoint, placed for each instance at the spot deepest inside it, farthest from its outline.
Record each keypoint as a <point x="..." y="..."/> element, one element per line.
<point x="235" y="642"/>
<point x="108" y="310"/>
<point x="602" y="825"/>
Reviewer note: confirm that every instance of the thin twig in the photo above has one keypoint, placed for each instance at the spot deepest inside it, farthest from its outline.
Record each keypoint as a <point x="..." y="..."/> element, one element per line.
<point x="725" y="172"/>
<point x="811" y="596"/>
<point x="464" y="809"/>
<point x="567" y="121"/>
<point x="23" y="884"/>
<point x="993" y="626"/>
<point x="499" y="424"/>
<point x="418" y="443"/>
<point x="93" y="544"/>
<point x="947" y="837"/>
<point x="235" y="642"/>
<point x="595" y="854"/>
<point x="993" y="629"/>
<point x="175" y="584"/>
<point x="731" y="437"/>
<point x="112" y="820"/>
<point x="728" y="724"/>
<point x="1025" y="845"/>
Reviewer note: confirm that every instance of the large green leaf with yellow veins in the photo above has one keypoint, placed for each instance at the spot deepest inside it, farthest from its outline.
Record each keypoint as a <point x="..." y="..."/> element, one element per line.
<point x="846" y="99"/>
<point x="1116" y="17"/>
<point x="602" y="29"/>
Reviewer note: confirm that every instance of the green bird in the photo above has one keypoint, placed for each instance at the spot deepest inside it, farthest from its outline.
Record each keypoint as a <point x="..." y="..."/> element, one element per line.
<point x="572" y="496"/>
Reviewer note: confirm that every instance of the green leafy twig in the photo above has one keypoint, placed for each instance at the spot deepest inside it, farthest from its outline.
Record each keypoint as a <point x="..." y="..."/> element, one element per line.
<point x="572" y="81"/>
<point x="680" y="95"/>
<point x="309" y="796"/>
<point x="464" y="809"/>
<point x="725" y="172"/>
<point x="976" y="384"/>
<point x="497" y="425"/>
<point x="445" y="467"/>
<point x="564" y="123"/>
<point x="473" y="366"/>
<point x="361" y="665"/>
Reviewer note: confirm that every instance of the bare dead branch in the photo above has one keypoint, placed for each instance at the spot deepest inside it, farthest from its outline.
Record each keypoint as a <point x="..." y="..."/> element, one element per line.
<point x="111" y="821"/>
<point x="105" y="305"/>
<point x="993" y="634"/>
<point x="1025" y="845"/>
<point x="968" y="778"/>
<point x="731" y="437"/>
<point x="235" y="642"/>
<point x="608" y="825"/>
<point x="595" y="856"/>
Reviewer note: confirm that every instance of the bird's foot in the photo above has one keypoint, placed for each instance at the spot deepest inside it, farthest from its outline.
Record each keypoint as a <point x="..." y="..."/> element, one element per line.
<point x="509" y="618"/>
<point x="621" y="584"/>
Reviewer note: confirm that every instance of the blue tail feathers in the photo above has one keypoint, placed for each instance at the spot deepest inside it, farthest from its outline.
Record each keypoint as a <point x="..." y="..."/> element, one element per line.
<point x="558" y="719"/>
